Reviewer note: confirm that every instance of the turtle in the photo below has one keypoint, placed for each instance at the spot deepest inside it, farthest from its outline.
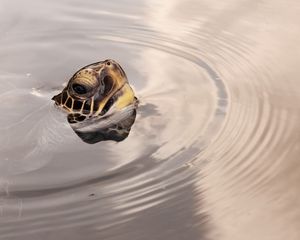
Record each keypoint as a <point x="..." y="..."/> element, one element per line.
<point x="99" y="102"/>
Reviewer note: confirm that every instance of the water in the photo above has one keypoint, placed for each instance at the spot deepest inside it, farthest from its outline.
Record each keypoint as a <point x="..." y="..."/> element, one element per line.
<point x="214" y="150"/>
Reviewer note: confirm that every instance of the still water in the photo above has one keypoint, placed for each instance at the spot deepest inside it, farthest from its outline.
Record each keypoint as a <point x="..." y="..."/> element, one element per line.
<point x="214" y="150"/>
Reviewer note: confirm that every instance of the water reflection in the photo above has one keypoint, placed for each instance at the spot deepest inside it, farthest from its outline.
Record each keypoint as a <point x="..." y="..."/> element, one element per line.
<point x="116" y="131"/>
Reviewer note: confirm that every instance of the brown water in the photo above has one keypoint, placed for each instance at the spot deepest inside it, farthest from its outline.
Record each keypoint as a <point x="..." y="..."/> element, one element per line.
<point x="214" y="151"/>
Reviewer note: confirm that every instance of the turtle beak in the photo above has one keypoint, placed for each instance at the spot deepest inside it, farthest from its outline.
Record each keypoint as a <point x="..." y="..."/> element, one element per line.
<point x="57" y="99"/>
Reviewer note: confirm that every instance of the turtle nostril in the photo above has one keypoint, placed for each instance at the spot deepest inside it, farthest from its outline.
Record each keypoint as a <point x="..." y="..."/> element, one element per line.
<point x="57" y="98"/>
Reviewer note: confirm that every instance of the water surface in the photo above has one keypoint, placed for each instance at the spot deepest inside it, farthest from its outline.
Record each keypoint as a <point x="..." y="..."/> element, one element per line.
<point x="214" y="150"/>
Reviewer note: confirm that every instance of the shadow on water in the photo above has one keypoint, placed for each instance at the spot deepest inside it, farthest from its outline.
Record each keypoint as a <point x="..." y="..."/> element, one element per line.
<point x="117" y="132"/>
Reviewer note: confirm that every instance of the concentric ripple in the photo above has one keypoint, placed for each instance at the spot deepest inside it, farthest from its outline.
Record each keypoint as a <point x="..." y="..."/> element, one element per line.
<point x="111" y="183"/>
<point x="215" y="142"/>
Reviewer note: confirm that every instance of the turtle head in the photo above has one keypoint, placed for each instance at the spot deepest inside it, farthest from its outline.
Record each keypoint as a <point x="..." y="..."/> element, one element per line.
<point x="97" y="90"/>
<point x="99" y="102"/>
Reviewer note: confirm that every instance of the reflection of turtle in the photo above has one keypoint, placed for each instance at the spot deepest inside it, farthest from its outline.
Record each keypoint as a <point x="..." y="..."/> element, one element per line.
<point x="99" y="101"/>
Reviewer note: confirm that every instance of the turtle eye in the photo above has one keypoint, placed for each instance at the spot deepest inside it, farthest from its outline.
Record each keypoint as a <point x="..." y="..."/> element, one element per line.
<point x="78" y="88"/>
